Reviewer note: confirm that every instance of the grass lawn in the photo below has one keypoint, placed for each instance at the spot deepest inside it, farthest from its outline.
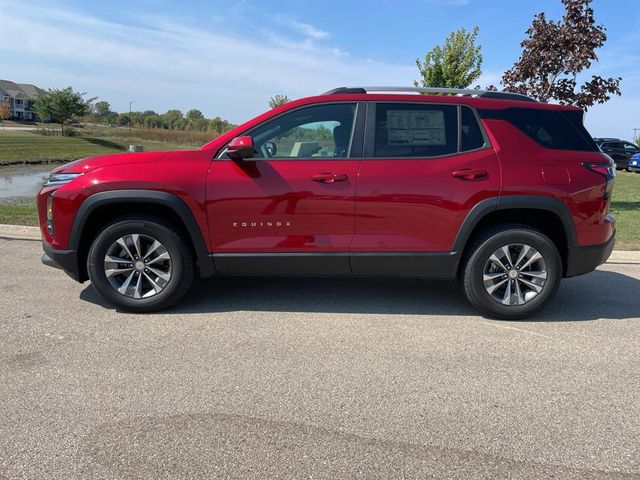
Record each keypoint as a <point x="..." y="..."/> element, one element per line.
<point x="625" y="207"/>
<point x="28" y="147"/>
<point x="19" y="214"/>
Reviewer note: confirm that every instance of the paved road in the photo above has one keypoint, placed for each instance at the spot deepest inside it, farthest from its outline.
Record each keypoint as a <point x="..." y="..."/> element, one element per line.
<point x="25" y="128"/>
<point x="254" y="378"/>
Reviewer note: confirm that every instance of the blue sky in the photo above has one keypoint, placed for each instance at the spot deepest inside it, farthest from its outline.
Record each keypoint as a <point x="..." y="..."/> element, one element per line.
<point x="227" y="57"/>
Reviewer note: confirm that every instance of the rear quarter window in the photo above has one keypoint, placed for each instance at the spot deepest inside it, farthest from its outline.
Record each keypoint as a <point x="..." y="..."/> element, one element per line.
<point x="549" y="128"/>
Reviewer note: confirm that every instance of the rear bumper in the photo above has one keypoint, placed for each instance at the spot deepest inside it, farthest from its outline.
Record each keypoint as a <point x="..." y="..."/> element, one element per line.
<point x="581" y="260"/>
<point x="66" y="260"/>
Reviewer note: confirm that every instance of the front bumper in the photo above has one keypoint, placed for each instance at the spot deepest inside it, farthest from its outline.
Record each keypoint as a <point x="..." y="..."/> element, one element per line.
<point x="581" y="260"/>
<point x="66" y="260"/>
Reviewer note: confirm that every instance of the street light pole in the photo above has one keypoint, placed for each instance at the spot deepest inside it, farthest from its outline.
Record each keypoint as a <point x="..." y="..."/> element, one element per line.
<point x="132" y="101"/>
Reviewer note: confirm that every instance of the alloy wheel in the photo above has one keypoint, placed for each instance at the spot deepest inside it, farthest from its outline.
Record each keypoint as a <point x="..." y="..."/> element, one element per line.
<point x="515" y="274"/>
<point x="137" y="266"/>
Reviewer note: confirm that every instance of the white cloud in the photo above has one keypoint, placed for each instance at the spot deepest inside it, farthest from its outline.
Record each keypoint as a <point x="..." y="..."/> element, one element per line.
<point x="166" y="63"/>
<point x="309" y="30"/>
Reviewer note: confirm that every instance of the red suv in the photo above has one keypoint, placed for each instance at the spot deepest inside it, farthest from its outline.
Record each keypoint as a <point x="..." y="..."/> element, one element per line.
<point x="506" y="194"/>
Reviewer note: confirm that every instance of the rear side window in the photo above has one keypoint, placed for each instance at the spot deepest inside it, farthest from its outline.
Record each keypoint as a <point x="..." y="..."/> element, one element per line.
<point x="410" y="130"/>
<point x="549" y="128"/>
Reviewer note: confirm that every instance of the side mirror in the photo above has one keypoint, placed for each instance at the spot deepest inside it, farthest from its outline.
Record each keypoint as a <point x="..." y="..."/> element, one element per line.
<point x="240" y="147"/>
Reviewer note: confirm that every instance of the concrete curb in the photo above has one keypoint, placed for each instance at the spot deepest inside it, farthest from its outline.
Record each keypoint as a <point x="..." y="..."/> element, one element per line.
<point x="21" y="232"/>
<point x="624" y="256"/>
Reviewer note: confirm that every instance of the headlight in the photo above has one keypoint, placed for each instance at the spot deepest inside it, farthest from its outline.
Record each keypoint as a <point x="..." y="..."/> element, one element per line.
<point x="60" y="178"/>
<point x="634" y="162"/>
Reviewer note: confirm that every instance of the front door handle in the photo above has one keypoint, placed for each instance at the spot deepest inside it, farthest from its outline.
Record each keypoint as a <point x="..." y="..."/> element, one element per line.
<point x="469" y="174"/>
<point x="329" y="177"/>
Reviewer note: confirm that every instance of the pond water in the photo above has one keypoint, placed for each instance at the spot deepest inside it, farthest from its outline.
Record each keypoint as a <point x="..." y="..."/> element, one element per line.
<point x="22" y="180"/>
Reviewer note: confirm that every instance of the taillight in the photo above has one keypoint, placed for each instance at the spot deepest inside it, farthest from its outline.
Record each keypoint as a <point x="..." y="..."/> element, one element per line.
<point x="607" y="170"/>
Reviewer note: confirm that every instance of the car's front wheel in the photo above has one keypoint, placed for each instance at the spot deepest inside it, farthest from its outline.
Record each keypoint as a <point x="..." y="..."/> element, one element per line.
<point x="511" y="271"/>
<point x="140" y="264"/>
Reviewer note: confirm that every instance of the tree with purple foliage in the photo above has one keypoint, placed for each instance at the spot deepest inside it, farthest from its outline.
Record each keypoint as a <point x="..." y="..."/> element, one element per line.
<point x="553" y="55"/>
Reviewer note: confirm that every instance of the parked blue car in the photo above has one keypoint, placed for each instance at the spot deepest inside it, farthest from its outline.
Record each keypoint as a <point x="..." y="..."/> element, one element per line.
<point x="634" y="163"/>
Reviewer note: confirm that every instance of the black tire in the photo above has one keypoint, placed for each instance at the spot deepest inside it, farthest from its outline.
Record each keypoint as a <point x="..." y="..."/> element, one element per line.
<point x="478" y="254"/>
<point x="178" y="248"/>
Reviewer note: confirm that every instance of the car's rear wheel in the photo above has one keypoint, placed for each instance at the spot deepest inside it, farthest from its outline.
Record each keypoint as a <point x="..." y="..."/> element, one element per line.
<point x="140" y="264"/>
<point x="511" y="271"/>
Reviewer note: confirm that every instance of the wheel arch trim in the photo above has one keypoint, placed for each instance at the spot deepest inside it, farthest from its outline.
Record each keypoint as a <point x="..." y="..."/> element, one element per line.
<point x="514" y="202"/>
<point x="149" y="197"/>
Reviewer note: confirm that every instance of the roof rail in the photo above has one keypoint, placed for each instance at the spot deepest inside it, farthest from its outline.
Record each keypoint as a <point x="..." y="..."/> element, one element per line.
<point x="433" y="90"/>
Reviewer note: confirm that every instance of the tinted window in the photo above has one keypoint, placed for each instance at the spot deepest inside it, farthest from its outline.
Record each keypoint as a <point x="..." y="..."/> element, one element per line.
<point x="630" y="147"/>
<point x="318" y="131"/>
<point x="471" y="135"/>
<point x="549" y="128"/>
<point x="411" y="130"/>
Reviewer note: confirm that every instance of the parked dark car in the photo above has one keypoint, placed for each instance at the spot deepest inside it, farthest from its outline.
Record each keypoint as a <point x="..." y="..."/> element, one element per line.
<point x="620" y="150"/>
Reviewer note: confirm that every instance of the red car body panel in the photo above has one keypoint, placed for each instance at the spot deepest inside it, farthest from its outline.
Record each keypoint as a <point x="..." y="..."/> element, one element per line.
<point x="417" y="205"/>
<point x="524" y="164"/>
<point x="270" y="206"/>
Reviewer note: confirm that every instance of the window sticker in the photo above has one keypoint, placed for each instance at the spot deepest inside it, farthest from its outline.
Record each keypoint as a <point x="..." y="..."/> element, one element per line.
<point x="416" y="127"/>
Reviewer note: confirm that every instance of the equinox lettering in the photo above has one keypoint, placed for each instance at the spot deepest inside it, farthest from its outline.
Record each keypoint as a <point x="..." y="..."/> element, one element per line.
<point x="261" y="224"/>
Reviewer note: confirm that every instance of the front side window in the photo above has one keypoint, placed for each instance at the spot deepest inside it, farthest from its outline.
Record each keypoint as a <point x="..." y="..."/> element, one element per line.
<point x="630" y="147"/>
<point x="411" y="130"/>
<point x="310" y="132"/>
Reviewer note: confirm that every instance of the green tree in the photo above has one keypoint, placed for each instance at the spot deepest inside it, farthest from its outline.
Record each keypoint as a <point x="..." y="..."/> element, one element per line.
<point x="124" y="119"/>
<point x="101" y="108"/>
<point x="62" y="105"/>
<point x="171" y="118"/>
<point x="457" y="64"/>
<point x="137" y="118"/>
<point x="194" y="114"/>
<point x="278" y="100"/>
<point x="218" y="125"/>
<point x="196" y="120"/>
<point x="153" y="121"/>
<point x="103" y="113"/>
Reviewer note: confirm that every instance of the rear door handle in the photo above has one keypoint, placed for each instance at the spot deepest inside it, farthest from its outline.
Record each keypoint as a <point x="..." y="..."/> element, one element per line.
<point x="329" y="177"/>
<point x="469" y="174"/>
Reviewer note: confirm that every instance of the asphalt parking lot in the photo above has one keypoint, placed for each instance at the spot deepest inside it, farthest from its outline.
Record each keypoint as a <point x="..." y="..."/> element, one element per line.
<point x="313" y="378"/>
